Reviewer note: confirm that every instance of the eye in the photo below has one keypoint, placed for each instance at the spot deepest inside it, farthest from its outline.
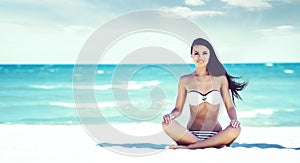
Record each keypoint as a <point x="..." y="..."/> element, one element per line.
<point x="196" y="53"/>
<point x="204" y="53"/>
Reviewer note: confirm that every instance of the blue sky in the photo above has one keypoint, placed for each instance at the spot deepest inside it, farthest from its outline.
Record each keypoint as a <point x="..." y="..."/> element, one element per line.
<point x="52" y="32"/>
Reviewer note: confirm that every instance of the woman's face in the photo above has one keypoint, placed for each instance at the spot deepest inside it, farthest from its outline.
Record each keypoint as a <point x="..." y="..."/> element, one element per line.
<point x="200" y="55"/>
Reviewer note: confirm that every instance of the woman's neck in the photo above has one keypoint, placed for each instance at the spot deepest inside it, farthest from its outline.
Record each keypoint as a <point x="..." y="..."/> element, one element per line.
<point x="201" y="71"/>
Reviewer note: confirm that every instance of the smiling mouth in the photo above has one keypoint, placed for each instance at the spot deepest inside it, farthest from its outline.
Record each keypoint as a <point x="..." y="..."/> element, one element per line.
<point x="200" y="61"/>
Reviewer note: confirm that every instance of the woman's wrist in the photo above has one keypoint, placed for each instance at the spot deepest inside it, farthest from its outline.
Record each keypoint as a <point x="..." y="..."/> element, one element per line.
<point x="172" y="116"/>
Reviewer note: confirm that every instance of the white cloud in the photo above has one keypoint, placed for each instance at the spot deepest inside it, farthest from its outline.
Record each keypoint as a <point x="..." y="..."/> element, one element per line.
<point x="24" y="43"/>
<point x="187" y="12"/>
<point x="279" y="43"/>
<point x="285" y="27"/>
<point x="194" y="2"/>
<point x="55" y="12"/>
<point x="52" y="29"/>
<point x="249" y="5"/>
<point x="126" y="49"/>
<point x="284" y="35"/>
<point x="50" y="3"/>
<point x="284" y="1"/>
<point x="275" y="44"/>
<point x="282" y="31"/>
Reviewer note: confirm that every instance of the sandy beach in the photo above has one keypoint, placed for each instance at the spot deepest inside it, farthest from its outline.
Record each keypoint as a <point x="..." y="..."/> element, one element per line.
<point x="62" y="143"/>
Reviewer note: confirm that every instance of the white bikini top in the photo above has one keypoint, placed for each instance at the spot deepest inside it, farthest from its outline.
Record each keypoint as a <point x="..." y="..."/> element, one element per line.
<point x="196" y="98"/>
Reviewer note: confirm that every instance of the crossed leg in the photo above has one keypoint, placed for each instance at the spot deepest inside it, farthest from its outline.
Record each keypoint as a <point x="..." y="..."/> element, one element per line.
<point x="182" y="136"/>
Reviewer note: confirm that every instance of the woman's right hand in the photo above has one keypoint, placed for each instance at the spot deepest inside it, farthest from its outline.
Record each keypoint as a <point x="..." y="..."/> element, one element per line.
<point x="168" y="118"/>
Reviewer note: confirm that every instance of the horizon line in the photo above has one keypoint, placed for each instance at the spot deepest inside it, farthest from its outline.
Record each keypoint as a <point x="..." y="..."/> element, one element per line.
<point x="144" y="63"/>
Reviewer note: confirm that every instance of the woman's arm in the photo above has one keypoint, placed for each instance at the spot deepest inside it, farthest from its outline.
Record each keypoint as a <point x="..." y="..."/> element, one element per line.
<point x="181" y="96"/>
<point x="231" y="111"/>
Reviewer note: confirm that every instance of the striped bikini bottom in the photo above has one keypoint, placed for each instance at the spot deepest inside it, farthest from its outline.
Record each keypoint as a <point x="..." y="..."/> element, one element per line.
<point x="202" y="135"/>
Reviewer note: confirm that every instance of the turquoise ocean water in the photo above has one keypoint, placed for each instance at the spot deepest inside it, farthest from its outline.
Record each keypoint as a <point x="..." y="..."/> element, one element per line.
<point x="44" y="94"/>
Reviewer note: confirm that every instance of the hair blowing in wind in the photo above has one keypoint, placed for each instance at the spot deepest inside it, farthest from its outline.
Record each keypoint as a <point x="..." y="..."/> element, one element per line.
<point x="215" y="68"/>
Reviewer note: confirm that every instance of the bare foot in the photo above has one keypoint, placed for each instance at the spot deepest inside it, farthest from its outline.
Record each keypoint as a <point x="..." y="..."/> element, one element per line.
<point x="176" y="147"/>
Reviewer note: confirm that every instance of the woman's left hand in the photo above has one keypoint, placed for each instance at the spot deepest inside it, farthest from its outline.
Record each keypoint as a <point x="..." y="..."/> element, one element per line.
<point x="235" y="123"/>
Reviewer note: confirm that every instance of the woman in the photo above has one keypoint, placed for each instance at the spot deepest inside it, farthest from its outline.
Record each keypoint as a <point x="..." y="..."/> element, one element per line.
<point x="205" y="90"/>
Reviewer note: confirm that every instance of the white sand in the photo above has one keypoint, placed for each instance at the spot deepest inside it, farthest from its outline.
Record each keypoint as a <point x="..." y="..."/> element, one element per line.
<point x="58" y="143"/>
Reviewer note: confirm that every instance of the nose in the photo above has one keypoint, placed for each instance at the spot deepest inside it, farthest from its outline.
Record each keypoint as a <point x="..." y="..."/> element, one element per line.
<point x="201" y="56"/>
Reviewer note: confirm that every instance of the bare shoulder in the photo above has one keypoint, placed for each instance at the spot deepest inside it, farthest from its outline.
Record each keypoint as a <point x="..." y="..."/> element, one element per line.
<point x="221" y="79"/>
<point x="185" y="78"/>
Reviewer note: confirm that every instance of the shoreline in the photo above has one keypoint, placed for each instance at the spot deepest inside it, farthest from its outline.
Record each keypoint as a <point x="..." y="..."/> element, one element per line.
<point x="72" y="143"/>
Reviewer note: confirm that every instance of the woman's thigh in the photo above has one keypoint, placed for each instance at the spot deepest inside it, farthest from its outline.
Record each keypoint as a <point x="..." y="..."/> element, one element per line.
<point x="179" y="134"/>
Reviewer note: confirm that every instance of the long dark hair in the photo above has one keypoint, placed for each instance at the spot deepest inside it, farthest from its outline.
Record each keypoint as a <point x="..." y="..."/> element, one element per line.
<point x="215" y="68"/>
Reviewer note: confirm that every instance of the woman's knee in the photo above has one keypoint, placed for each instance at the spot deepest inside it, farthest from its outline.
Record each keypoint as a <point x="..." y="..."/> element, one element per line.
<point x="167" y="126"/>
<point x="164" y="125"/>
<point x="173" y="126"/>
<point x="233" y="132"/>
